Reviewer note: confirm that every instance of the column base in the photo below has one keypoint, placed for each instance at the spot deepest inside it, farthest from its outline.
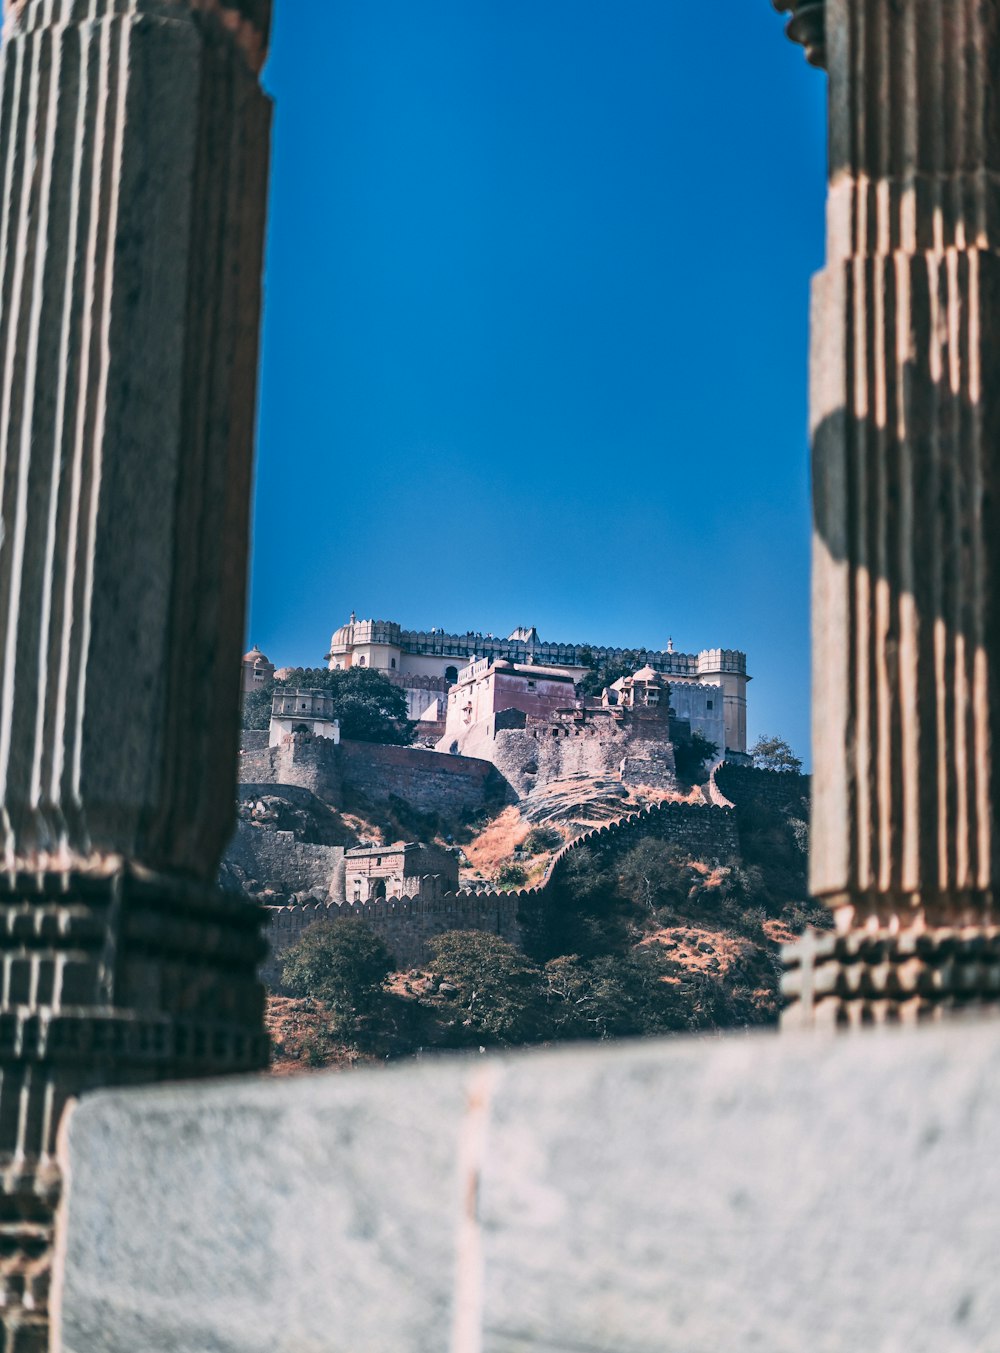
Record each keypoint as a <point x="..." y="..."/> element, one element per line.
<point x="114" y="978"/>
<point x="887" y="976"/>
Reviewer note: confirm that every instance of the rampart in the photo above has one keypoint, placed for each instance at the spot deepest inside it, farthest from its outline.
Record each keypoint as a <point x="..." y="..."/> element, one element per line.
<point x="407" y="923"/>
<point x="773" y="790"/>
<point x="425" y="780"/>
<point x="699" y="830"/>
<point x="439" y="644"/>
<point x="300" y="759"/>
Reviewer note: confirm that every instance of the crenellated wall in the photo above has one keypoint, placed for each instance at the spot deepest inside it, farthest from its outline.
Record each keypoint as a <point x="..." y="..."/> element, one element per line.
<point x="407" y="923"/>
<point x="746" y="786"/>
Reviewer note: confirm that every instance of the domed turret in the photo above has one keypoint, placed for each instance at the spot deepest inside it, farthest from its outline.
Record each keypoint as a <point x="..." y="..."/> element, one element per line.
<point x="258" y="670"/>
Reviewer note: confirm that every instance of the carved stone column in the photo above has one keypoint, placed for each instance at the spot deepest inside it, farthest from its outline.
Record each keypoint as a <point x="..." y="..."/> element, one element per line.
<point x="133" y="161"/>
<point x="906" y="451"/>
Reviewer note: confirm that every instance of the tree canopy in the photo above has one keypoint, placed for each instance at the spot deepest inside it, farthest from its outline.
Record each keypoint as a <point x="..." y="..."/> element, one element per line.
<point x="257" y="707"/>
<point x="774" y="753"/>
<point x="605" y="672"/>
<point x="343" y="963"/>
<point x="499" y="990"/>
<point x="370" y="708"/>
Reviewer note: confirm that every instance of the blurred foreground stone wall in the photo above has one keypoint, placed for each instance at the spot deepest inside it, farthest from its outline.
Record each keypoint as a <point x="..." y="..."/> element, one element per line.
<point x="674" y="1196"/>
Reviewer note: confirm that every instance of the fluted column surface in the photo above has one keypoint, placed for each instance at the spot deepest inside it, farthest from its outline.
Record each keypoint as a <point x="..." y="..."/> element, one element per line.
<point x="906" y="431"/>
<point x="133" y="159"/>
<point x="132" y="137"/>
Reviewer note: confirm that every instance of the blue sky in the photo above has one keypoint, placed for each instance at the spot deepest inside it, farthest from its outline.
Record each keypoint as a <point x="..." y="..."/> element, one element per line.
<point x="535" y="337"/>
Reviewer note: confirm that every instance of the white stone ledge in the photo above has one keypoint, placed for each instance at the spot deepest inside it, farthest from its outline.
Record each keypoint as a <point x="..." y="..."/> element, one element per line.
<point x="794" y="1194"/>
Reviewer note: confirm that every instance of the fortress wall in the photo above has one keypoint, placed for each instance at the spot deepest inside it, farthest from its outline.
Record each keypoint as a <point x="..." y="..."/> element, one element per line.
<point x="427" y="781"/>
<point x="277" y="860"/>
<point x="777" y="790"/>
<point x="698" y="830"/>
<point x="597" y="749"/>
<point x="405" y="924"/>
<point x="301" y="760"/>
<point x="257" y="765"/>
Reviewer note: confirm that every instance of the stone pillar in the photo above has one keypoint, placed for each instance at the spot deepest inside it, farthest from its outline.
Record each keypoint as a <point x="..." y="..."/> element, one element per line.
<point x="133" y="162"/>
<point x="906" y="430"/>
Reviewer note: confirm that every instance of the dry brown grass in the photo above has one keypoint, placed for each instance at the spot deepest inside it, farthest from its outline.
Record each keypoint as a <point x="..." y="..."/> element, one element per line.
<point x="697" y="949"/>
<point x="779" y="932"/>
<point x="301" y="1040"/>
<point x="495" y="843"/>
<point x="640" y="795"/>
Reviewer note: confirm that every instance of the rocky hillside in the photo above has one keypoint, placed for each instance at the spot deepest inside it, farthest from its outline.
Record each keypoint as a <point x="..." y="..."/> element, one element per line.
<point x="629" y="940"/>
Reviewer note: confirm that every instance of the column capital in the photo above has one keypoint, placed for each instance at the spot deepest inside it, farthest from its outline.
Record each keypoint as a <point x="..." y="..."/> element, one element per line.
<point x="248" y="22"/>
<point x="807" y="25"/>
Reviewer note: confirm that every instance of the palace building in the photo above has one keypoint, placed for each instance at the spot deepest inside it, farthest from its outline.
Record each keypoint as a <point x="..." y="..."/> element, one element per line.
<point x="434" y="654"/>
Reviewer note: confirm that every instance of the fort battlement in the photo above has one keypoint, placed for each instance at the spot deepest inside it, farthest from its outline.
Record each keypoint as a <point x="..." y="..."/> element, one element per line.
<point x="404" y="923"/>
<point x="407" y="923"/>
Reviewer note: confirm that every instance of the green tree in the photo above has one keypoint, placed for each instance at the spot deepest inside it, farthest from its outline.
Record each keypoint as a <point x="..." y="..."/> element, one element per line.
<point x="652" y="877"/>
<point x="370" y="708"/>
<point x="690" y="755"/>
<point x="581" y="912"/>
<point x="499" y="990"/>
<point x="509" y="875"/>
<point x="342" y="963"/>
<point x="257" y="707"/>
<point x="612" y="996"/>
<point x="606" y="671"/>
<point x="774" y="753"/>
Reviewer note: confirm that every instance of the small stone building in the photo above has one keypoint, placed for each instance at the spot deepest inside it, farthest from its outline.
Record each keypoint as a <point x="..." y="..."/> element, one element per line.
<point x="303" y="711"/>
<point x="644" y="689"/>
<point x="401" y="870"/>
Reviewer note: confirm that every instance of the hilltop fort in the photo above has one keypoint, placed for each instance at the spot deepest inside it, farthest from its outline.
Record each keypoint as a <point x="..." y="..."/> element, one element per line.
<point x="426" y="664"/>
<point x="514" y="721"/>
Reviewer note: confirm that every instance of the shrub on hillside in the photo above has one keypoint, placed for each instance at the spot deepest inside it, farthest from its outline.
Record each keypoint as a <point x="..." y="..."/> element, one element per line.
<point x="581" y="912"/>
<point x="498" y="994"/>
<point x="651" y="876"/>
<point x="693" y="753"/>
<point x="342" y="963"/>
<point x="509" y="875"/>
<point x="612" y="996"/>
<point x="541" y="839"/>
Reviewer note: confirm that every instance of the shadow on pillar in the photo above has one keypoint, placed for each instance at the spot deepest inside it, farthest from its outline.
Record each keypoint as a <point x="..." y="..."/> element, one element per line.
<point x="906" y="645"/>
